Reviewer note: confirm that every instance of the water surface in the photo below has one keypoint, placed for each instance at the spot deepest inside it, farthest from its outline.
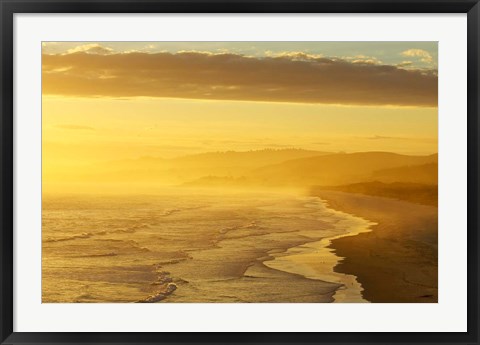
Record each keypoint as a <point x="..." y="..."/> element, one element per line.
<point x="192" y="247"/>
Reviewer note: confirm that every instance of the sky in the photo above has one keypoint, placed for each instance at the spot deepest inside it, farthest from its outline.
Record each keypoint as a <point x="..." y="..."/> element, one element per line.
<point x="119" y="100"/>
<point x="419" y="54"/>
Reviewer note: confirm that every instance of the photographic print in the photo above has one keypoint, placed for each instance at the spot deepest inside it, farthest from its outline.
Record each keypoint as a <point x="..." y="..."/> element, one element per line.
<point x="239" y="172"/>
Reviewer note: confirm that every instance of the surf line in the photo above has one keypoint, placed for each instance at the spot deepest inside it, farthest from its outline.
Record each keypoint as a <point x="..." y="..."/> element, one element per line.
<point x="316" y="260"/>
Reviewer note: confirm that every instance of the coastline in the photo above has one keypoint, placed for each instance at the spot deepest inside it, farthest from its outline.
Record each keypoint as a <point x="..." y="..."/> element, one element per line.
<point x="397" y="261"/>
<point x="316" y="260"/>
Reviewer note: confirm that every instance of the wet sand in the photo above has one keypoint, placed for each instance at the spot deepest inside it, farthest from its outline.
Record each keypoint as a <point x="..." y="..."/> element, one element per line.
<point x="397" y="262"/>
<point x="317" y="260"/>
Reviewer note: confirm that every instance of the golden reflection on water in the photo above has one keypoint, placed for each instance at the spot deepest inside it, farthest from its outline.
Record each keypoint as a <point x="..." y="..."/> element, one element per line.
<point x="185" y="247"/>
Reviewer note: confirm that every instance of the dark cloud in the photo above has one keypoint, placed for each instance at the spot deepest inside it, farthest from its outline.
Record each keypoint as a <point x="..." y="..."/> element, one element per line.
<point x="200" y="75"/>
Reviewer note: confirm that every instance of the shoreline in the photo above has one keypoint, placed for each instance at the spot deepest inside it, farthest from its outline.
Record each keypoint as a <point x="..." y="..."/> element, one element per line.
<point x="397" y="262"/>
<point x="316" y="260"/>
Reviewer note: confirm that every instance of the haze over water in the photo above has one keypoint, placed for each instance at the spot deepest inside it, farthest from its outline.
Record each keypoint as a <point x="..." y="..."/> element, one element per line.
<point x="211" y="247"/>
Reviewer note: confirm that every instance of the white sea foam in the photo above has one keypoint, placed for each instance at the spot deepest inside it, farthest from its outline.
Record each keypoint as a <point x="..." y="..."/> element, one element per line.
<point x="316" y="260"/>
<point x="215" y="248"/>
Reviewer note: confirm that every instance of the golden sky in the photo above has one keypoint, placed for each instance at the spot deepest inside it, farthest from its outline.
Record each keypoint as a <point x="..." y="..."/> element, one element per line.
<point x="121" y="100"/>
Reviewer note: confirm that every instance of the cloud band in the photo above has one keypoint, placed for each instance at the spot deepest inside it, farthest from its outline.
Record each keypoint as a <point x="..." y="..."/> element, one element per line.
<point x="199" y="75"/>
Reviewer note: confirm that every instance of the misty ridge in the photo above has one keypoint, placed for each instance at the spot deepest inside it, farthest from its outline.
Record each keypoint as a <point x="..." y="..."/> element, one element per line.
<point x="274" y="168"/>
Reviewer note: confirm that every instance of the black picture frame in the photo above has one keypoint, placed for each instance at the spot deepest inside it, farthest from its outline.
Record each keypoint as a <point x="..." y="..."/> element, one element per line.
<point x="10" y="7"/>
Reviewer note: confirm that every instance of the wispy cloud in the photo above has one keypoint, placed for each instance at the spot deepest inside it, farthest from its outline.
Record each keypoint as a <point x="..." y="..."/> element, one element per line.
<point x="75" y="127"/>
<point x="405" y="64"/>
<point x="292" y="55"/>
<point x="423" y="55"/>
<point x="93" y="48"/>
<point x="293" y="77"/>
<point x="382" y="137"/>
<point x="363" y="59"/>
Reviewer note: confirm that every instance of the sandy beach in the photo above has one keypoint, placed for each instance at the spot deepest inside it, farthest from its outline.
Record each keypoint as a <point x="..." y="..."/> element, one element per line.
<point x="397" y="261"/>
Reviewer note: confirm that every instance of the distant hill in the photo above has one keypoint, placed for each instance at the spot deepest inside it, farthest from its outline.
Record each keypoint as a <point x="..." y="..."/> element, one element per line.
<point x="424" y="173"/>
<point x="219" y="181"/>
<point x="232" y="161"/>
<point x="186" y="168"/>
<point x="425" y="194"/>
<point x="285" y="168"/>
<point x="336" y="169"/>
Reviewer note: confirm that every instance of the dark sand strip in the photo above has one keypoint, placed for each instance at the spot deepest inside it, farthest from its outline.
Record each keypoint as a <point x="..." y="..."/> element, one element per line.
<point x="398" y="261"/>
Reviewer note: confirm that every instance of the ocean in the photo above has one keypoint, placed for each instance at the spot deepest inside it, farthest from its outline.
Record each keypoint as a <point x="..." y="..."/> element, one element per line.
<point x="186" y="245"/>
